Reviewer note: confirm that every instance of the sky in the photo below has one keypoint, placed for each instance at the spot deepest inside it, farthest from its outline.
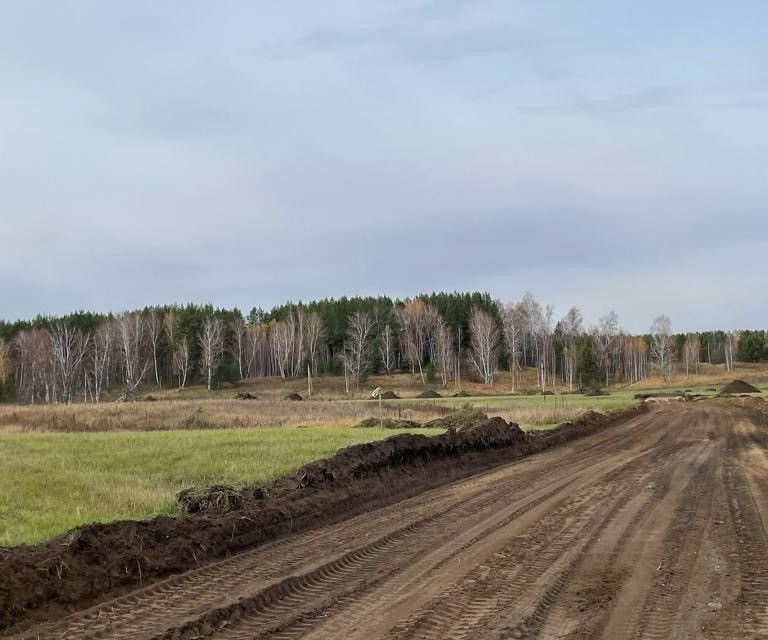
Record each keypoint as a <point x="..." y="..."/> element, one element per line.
<point x="609" y="155"/>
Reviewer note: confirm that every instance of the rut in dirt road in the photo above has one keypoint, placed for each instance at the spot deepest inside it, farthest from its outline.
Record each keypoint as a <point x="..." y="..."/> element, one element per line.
<point x="654" y="528"/>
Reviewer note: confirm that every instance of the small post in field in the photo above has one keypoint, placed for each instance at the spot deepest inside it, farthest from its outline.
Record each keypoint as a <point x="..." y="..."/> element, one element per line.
<point x="376" y="393"/>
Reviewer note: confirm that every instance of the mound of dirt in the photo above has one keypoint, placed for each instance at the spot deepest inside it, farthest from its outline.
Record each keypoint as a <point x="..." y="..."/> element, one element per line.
<point x="218" y="498"/>
<point x="389" y="395"/>
<point x="361" y="460"/>
<point x="244" y="395"/>
<point x="388" y="423"/>
<point x="660" y="394"/>
<point x="462" y="394"/>
<point x="429" y="394"/>
<point x="738" y="386"/>
<point x="292" y="396"/>
<point x="462" y="420"/>
<point x="149" y="399"/>
<point x="96" y="561"/>
<point x="596" y="392"/>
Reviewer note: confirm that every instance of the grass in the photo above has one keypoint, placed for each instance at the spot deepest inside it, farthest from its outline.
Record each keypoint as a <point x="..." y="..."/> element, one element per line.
<point x="54" y="481"/>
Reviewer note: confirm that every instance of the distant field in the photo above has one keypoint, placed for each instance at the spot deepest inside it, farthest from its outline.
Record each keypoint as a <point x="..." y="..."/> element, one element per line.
<point x="52" y="482"/>
<point x="66" y="465"/>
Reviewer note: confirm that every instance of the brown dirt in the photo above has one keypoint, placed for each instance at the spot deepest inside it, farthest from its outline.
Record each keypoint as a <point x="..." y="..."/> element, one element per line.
<point x="292" y="396"/>
<point x="654" y="528"/>
<point x="738" y="386"/>
<point x="429" y="393"/>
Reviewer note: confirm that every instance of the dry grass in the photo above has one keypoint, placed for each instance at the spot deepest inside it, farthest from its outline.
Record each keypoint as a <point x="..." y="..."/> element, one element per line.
<point x="188" y="415"/>
<point x="191" y="415"/>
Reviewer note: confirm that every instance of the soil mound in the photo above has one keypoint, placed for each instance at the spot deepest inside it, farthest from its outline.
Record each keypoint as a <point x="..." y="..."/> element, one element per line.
<point x="467" y="418"/>
<point x="244" y="395"/>
<point x="389" y="395"/>
<point x="93" y="562"/>
<point x="429" y="394"/>
<point x="388" y="423"/>
<point x="596" y="392"/>
<point x="292" y="396"/>
<point x="738" y="386"/>
<point x="149" y="399"/>
<point x="358" y="461"/>
<point x="660" y="394"/>
<point x="218" y="498"/>
<point x="461" y="394"/>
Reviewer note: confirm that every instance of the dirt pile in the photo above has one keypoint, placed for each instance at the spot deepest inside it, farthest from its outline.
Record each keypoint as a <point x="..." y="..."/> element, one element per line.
<point x="96" y="561"/>
<point x="244" y="395"/>
<point x="388" y="423"/>
<point x="292" y="396"/>
<point x="595" y="392"/>
<point x="461" y="394"/>
<point x="429" y="394"/>
<point x="466" y="418"/>
<point x="738" y="386"/>
<point x="389" y="395"/>
<point x="220" y="498"/>
<point x="661" y="394"/>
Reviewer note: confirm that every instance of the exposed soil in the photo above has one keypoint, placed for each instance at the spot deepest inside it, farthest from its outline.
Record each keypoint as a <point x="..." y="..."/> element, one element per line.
<point x="738" y="386"/>
<point x="292" y="396"/>
<point x="389" y="395"/>
<point x="461" y="394"/>
<point x="244" y="395"/>
<point x="95" y="561"/>
<point x="429" y="393"/>
<point x="661" y="394"/>
<point x="654" y="529"/>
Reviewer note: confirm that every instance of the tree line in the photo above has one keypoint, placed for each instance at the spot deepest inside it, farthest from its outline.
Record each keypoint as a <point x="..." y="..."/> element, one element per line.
<point x="438" y="338"/>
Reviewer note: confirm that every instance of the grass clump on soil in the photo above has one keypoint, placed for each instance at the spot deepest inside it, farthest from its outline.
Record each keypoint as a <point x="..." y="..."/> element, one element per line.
<point x="54" y="481"/>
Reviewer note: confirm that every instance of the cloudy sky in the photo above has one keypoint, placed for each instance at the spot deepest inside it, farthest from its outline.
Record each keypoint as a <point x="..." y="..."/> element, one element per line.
<point x="612" y="155"/>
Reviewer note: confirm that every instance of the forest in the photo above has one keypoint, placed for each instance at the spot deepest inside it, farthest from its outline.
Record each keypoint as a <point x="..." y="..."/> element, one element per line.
<point x="439" y="338"/>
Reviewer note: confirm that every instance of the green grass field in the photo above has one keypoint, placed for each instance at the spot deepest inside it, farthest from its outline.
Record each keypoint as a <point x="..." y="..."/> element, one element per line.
<point x="52" y="482"/>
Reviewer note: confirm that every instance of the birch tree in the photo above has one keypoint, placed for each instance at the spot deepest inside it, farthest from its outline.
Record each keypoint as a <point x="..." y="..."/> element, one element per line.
<point x="414" y="319"/>
<point x="282" y="341"/>
<point x="154" y="327"/>
<point x="130" y="340"/>
<point x="211" y="348"/>
<point x="101" y="354"/>
<point x="315" y="337"/>
<point x="692" y="353"/>
<point x="259" y="350"/>
<point x="513" y="321"/>
<point x="484" y="340"/>
<point x="182" y="360"/>
<point x="445" y="354"/>
<point x="604" y="339"/>
<point x="238" y="344"/>
<point x="68" y="349"/>
<point x="662" y="347"/>
<point x="387" y="349"/>
<point x="730" y="348"/>
<point x="572" y="326"/>
<point x="359" y="327"/>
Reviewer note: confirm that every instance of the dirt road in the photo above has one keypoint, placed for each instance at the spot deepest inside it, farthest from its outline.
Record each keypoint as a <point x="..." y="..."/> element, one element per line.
<point x="655" y="528"/>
